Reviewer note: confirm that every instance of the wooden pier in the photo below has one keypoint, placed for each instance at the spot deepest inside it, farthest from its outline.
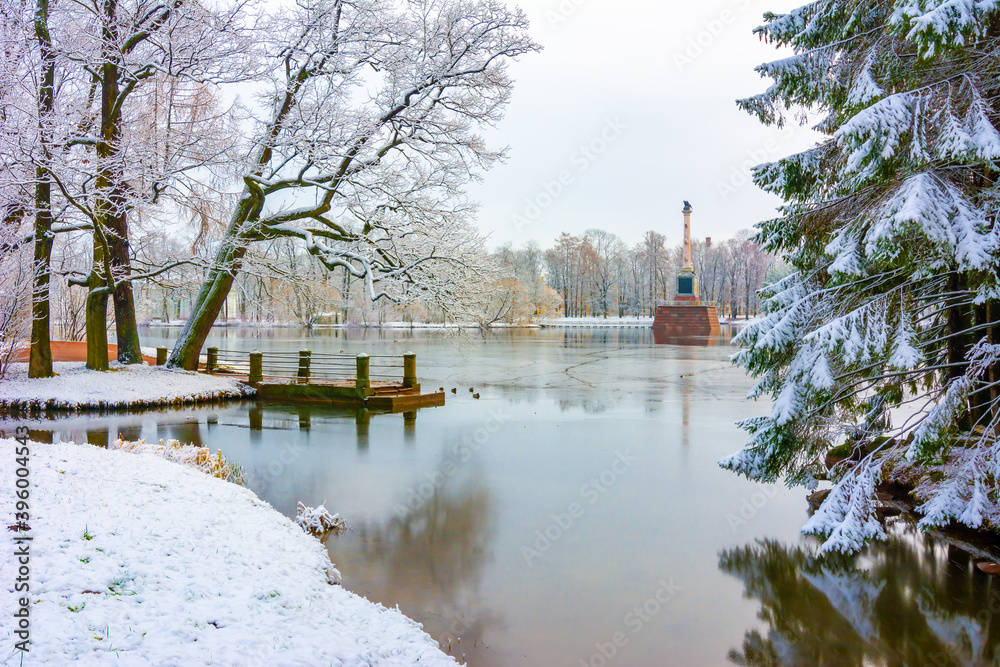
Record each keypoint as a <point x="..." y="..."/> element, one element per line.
<point x="377" y="382"/>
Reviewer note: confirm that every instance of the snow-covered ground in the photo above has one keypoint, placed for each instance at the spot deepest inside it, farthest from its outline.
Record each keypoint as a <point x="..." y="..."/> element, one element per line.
<point x="597" y="322"/>
<point x="741" y="322"/>
<point x="74" y="387"/>
<point x="249" y="324"/>
<point x="136" y="560"/>
<point x="402" y="325"/>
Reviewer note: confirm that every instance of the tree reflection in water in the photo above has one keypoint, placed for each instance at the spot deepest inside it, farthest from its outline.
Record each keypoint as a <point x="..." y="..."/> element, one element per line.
<point x="429" y="561"/>
<point x="908" y="601"/>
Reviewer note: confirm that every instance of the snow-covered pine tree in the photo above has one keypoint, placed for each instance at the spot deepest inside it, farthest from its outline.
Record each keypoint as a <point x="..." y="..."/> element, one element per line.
<point x="887" y="336"/>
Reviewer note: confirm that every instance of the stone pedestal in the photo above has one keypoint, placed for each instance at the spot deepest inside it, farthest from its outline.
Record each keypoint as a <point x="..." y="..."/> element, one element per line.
<point x="686" y="319"/>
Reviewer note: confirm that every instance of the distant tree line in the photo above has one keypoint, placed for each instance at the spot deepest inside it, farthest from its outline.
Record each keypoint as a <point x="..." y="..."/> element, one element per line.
<point x="599" y="275"/>
<point x="594" y="275"/>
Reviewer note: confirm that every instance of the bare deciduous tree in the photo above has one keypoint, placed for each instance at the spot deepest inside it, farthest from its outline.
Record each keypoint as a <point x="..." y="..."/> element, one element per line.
<point x="369" y="138"/>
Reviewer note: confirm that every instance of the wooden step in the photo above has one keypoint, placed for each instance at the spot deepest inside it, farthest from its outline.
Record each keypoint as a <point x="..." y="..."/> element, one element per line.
<point x="405" y="402"/>
<point x="394" y="391"/>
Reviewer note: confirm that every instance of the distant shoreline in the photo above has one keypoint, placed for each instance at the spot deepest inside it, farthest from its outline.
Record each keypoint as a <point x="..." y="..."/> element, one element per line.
<point x="551" y="323"/>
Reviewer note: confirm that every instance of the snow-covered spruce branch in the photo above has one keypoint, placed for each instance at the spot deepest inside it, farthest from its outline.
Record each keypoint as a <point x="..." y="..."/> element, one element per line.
<point x="891" y="224"/>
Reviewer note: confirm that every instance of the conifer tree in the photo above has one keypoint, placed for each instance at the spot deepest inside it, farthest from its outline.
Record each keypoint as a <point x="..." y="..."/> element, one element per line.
<point x="886" y="337"/>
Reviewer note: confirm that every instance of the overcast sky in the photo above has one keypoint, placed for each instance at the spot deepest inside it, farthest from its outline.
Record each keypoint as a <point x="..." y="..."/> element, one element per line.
<point x="650" y="87"/>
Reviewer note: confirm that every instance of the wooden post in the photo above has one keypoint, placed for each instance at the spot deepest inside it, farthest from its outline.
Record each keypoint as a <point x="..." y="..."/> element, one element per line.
<point x="212" y="360"/>
<point x="305" y="360"/>
<point x="256" y="367"/>
<point x="161" y="356"/>
<point x="410" y="371"/>
<point x="362" y="382"/>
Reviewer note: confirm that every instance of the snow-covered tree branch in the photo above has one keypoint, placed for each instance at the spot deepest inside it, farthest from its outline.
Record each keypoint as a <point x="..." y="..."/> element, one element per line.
<point x="368" y="133"/>
<point x="884" y="340"/>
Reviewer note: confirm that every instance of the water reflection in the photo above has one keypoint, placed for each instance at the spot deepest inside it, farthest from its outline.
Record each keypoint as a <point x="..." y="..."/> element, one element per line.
<point x="576" y="337"/>
<point x="188" y="432"/>
<point x="452" y="558"/>
<point x="410" y="427"/>
<point x="908" y="601"/>
<point x="429" y="560"/>
<point x="363" y="420"/>
<point x="662" y="338"/>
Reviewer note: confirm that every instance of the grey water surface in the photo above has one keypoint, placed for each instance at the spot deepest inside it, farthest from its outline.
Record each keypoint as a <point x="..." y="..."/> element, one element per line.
<point x="574" y="514"/>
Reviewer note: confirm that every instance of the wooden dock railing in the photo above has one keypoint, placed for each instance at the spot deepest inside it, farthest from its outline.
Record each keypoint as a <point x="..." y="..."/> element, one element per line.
<point x="377" y="382"/>
<point x="306" y="367"/>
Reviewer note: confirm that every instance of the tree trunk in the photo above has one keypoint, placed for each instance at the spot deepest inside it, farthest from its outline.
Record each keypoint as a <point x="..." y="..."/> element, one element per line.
<point x="206" y="309"/>
<point x="346" y="298"/>
<point x="40" y="356"/>
<point x="993" y="375"/>
<point x="97" y="312"/>
<point x="215" y="291"/>
<point x="111" y="187"/>
<point x="982" y="402"/>
<point x="126" y="327"/>
<point x="958" y="341"/>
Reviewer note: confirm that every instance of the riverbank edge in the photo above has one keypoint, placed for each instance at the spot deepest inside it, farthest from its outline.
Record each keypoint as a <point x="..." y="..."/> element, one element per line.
<point x="905" y="487"/>
<point x="561" y="323"/>
<point x="174" y="566"/>
<point x="76" y="389"/>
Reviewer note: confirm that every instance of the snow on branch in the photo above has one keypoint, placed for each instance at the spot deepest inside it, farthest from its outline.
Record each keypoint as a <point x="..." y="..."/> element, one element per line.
<point x="876" y="132"/>
<point x="934" y="25"/>
<point x="847" y="516"/>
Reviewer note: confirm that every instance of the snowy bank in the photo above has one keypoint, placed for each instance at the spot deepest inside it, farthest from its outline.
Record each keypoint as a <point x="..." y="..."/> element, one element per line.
<point x="140" y="561"/>
<point x="740" y="322"/>
<point x="450" y="326"/>
<point x="611" y="322"/>
<point x="74" y="388"/>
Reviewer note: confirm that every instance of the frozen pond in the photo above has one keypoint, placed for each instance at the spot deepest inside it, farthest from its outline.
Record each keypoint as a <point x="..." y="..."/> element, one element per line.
<point x="575" y="515"/>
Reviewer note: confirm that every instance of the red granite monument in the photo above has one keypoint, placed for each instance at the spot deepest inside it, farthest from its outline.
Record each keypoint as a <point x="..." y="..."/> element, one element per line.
<point x="687" y="316"/>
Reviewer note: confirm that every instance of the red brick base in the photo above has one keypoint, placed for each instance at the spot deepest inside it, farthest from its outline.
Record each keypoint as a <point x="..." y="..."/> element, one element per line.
<point x="681" y="321"/>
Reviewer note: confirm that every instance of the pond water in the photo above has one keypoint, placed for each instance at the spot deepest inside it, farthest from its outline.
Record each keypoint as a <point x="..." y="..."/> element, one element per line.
<point x="574" y="514"/>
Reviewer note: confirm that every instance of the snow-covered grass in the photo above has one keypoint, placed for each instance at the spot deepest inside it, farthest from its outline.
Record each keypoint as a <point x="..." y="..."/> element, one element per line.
<point x="140" y="561"/>
<point x="318" y="522"/>
<point x="199" y="458"/>
<point x="75" y="387"/>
